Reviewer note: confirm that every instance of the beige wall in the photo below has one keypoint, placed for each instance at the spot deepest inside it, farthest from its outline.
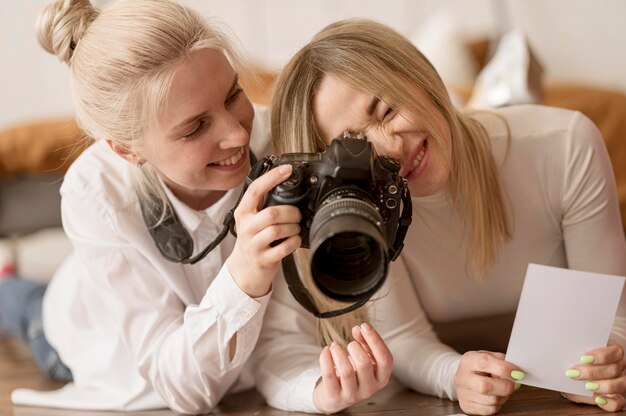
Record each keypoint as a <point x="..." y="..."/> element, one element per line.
<point x="581" y="41"/>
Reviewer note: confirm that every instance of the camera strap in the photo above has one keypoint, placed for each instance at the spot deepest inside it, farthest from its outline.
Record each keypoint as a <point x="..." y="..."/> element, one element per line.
<point x="303" y="296"/>
<point x="171" y="237"/>
<point x="403" y="222"/>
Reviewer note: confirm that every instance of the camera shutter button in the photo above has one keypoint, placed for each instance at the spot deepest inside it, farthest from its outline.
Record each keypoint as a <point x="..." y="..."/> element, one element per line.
<point x="292" y="186"/>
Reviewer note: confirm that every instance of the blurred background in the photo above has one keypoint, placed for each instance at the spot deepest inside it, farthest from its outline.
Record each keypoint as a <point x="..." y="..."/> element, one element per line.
<point x="577" y="41"/>
<point x="578" y="62"/>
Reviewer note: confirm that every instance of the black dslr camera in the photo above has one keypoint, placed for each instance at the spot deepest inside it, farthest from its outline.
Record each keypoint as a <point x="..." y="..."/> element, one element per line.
<point x="355" y="213"/>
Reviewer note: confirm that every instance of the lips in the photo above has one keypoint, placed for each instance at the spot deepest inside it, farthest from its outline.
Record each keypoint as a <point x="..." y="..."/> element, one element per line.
<point x="232" y="160"/>
<point x="415" y="159"/>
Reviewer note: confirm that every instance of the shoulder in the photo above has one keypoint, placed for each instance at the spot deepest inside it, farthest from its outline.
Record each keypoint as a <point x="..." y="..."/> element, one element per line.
<point x="101" y="176"/>
<point x="540" y="127"/>
<point x="527" y="120"/>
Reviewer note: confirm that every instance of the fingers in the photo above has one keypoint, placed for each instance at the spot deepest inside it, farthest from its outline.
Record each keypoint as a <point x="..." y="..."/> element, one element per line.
<point x="604" y="355"/>
<point x="492" y="364"/>
<point x="353" y="373"/>
<point x="345" y="371"/>
<point x="376" y="347"/>
<point x="327" y="369"/>
<point x="255" y="193"/>
<point x="595" y="372"/>
<point x="609" y="386"/>
<point x="474" y="408"/>
<point x="484" y="382"/>
<point x="603" y="371"/>
<point x="484" y="385"/>
<point x="364" y="368"/>
<point x="278" y="214"/>
<point x="607" y="402"/>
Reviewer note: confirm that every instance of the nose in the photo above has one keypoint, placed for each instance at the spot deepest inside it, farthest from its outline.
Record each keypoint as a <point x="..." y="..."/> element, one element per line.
<point x="386" y="144"/>
<point x="232" y="132"/>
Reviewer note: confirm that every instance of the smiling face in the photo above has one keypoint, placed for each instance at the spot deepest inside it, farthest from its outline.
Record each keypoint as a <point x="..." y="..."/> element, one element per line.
<point x="425" y="163"/>
<point x="200" y="147"/>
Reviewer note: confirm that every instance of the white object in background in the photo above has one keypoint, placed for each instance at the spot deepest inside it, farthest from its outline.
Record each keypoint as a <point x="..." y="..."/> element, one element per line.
<point x="439" y="40"/>
<point x="39" y="254"/>
<point x="561" y="314"/>
<point x="512" y="76"/>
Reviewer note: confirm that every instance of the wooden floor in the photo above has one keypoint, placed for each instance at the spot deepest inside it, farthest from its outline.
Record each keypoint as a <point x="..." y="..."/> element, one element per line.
<point x="18" y="370"/>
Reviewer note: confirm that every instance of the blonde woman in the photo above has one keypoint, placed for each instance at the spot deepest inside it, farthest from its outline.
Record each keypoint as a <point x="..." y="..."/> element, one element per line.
<point x="491" y="193"/>
<point x="133" y="317"/>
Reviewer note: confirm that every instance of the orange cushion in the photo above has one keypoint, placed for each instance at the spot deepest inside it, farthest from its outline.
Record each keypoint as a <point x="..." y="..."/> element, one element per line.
<point x="42" y="147"/>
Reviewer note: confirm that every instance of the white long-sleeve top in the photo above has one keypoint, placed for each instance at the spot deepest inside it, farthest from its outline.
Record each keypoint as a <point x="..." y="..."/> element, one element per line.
<point x="138" y="331"/>
<point x="560" y="196"/>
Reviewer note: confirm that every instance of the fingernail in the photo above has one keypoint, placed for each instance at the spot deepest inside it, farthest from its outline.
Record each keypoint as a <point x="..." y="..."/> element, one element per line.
<point x="518" y="375"/>
<point x="367" y="328"/>
<point x="587" y="359"/>
<point x="600" y="400"/>
<point x="572" y="373"/>
<point x="517" y="386"/>
<point x="591" y="386"/>
<point x="284" y="168"/>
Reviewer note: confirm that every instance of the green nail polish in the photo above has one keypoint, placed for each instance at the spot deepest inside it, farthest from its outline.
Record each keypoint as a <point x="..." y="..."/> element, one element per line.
<point x="517" y="375"/>
<point x="591" y="386"/>
<point x="587" y="359"/>
<point x="517" y="386"/>
<point x="572" y="373"/>
<point x="600" y="400"/>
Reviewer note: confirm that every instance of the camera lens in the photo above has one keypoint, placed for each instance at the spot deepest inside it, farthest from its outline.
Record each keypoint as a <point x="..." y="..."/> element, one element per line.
<point x="349" y="249"/>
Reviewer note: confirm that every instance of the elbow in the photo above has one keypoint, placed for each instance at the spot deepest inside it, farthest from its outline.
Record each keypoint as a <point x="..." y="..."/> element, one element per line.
<point x="188" y="398"/>
<point x="190" y="405"/>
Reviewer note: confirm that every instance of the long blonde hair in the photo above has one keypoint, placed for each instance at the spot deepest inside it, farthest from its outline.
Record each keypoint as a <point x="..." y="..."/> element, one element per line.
<point x="375" y="58"/>
<point x="122" y="60"/>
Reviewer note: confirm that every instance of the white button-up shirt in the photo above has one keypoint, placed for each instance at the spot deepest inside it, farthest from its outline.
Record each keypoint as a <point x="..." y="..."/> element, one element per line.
<point x="138" y="331"/>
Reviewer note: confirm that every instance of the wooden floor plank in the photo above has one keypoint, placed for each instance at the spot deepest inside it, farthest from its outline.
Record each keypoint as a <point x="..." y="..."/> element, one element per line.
<point x="17" y="369"/>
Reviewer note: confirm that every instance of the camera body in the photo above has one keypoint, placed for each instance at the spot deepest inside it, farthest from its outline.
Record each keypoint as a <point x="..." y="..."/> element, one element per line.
<point x="347" y="168"/>
<point x="351" y="201"/>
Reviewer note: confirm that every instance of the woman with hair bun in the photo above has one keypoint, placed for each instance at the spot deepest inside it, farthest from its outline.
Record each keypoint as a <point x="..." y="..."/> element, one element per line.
<point x="132" y="318"/>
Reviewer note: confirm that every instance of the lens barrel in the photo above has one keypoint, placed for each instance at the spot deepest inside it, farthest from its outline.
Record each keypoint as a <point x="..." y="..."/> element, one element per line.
<point x="349" y="251"/>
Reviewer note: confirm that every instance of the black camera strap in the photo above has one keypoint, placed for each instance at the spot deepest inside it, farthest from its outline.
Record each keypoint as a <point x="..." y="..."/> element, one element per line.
<point x="403" y="222"/>
<point x="171" y="237"/>
<point x="303" y="296"/>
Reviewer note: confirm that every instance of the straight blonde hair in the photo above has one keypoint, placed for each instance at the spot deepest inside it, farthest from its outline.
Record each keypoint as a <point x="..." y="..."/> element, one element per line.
<point x="122" y="60"/>
<point x="374" y="58"/>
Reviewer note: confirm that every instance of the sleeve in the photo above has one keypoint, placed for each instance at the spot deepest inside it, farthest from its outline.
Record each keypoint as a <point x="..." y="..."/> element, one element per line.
<point x="592" y="227"/>
<point x="287" y="355"/>
<point x="421" y="361"/>
<point x="181" y="351"/>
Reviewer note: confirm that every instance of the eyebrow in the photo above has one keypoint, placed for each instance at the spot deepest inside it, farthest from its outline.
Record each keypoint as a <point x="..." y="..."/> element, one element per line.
<point x="372" y="106"/>
<point x="195" y="117"/>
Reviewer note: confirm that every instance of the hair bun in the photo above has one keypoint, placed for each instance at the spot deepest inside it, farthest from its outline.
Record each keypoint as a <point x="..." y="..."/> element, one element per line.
<point x="61" y="25"/>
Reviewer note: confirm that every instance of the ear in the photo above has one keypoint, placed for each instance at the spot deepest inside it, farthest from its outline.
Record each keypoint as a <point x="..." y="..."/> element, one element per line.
<point x="125" y="153"/>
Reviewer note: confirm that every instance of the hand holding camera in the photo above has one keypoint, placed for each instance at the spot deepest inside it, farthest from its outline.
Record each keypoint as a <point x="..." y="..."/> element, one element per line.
<point x="254" y="261"/>
<point x="355" y="210"/>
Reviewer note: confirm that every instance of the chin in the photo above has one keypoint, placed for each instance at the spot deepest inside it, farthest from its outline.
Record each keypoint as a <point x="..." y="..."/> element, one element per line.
<point x="419" y="190"/>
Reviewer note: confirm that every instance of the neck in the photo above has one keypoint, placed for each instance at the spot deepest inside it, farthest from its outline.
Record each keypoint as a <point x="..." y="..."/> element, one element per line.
<point x="196" y="199"/>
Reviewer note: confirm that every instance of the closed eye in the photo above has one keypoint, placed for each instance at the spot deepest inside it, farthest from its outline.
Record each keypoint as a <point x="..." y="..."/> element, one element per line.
<point x="196" y="131"/>
<point x="236" y="92"/>
<point x="389" y="113"/>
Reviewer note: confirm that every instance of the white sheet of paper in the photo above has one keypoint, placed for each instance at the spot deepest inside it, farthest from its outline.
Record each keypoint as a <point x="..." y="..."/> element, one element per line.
<point x="561" y="314"/>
